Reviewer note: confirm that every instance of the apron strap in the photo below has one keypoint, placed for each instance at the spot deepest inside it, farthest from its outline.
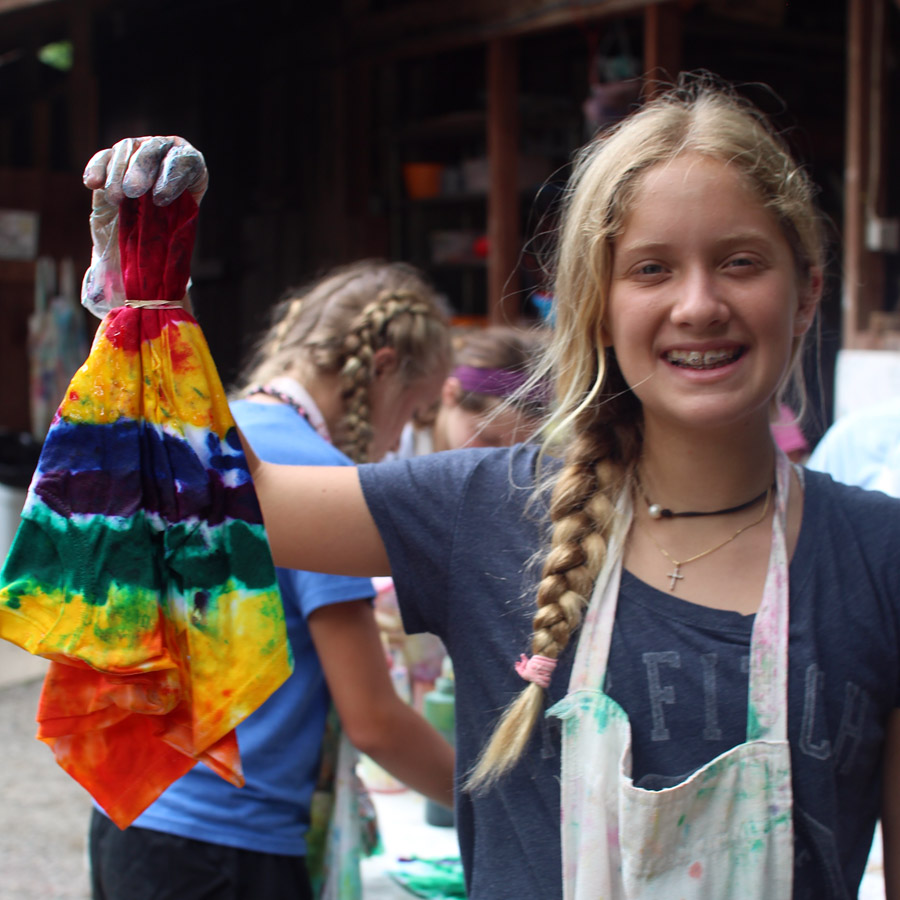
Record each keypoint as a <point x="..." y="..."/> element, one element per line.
<point x="768" y="691"/>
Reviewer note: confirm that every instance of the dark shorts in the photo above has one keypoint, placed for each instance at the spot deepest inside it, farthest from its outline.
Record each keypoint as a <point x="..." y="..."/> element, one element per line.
<point x="139" y="864"/>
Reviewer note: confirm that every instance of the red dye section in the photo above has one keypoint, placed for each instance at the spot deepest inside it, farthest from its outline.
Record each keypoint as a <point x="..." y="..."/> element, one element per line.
<point x="182" y="354"/>
<point x="125" y="326"/>
<point x="155" y="246"/>
<point x="696" y="870"/>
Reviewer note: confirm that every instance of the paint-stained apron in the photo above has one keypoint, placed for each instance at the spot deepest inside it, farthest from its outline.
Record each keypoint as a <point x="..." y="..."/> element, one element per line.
<point x="726" y="833"/>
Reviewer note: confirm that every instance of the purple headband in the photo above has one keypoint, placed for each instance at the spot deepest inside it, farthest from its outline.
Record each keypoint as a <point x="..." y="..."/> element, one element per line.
<point x="495" y="382"/>
<point x="500" y="383"/>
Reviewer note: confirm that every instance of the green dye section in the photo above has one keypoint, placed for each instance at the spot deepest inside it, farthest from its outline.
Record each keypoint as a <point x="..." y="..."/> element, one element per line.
<point x="96" y="556"/>
<point x="95" y="587"/>
<point x="208" y="556"/>
<point x="754" y="729"/>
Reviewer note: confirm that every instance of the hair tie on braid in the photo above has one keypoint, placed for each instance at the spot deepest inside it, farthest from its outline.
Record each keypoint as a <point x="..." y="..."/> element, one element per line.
<point x="538" y="669"/>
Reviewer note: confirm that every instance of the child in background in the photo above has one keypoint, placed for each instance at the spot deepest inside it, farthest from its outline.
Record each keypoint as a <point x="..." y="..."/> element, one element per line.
<point x="482" y="404"/>
<point x="345" y="363"/>
<point x="709" y="694"/>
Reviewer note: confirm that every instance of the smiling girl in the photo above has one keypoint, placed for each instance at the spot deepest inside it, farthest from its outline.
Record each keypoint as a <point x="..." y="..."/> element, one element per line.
<point x="711" y="695"/>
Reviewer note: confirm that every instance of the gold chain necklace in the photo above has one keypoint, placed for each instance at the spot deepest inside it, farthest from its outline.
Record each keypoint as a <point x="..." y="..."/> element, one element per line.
<point x="675" y="575"/>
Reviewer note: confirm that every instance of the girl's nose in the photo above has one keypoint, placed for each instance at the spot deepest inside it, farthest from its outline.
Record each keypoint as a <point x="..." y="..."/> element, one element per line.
<point x="699" y="302"/>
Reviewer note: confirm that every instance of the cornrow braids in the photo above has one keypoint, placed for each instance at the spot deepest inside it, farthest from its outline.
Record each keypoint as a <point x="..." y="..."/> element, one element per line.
<point x="287" y="315"/>
<point x="334" y="326"/>
<point x="381" y="323"/>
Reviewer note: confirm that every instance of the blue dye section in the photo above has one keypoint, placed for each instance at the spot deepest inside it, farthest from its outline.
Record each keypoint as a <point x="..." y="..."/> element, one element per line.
<point x="227" y="458"/>
<point x="118" y="469"/>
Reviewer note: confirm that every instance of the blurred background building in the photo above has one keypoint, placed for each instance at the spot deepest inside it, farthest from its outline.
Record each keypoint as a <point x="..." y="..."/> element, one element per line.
<point x="435" y="132"/>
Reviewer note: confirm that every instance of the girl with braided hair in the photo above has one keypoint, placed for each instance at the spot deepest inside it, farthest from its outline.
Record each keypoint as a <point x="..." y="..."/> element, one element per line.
<point x="708" y="635"/>
<point x="344" y="364"/>
<point x="482" y="404"/>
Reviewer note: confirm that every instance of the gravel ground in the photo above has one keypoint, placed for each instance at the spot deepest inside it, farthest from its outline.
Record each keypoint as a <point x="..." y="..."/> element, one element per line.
<point x="43" y="812"/>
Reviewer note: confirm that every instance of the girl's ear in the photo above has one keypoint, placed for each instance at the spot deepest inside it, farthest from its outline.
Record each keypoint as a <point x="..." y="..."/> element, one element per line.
<point x="808" y="301"/>
<point x="604" y="338"/>
<point x="451" y="391"/>
<point x="385" y="362"/>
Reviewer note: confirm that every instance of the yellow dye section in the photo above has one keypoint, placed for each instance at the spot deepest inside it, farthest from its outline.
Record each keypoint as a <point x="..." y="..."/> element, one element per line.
<point x="172" y="380"/>
<point x="238" y="654"/>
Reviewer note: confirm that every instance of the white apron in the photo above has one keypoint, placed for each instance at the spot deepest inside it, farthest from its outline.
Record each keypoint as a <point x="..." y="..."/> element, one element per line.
<point x="727" y="831"/>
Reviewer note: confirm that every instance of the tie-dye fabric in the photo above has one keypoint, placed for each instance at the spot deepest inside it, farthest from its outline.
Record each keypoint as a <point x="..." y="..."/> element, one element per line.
<point x="141" y="568"/>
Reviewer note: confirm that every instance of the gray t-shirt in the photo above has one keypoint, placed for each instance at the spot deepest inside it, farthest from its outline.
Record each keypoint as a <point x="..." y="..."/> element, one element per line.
<point x="461" y="537"/>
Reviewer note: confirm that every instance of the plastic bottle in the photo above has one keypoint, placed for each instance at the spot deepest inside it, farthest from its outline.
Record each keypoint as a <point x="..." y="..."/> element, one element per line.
<point x="439" y="708"/>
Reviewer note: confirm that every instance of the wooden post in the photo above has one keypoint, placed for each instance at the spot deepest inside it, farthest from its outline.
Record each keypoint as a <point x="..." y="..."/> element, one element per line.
<point x="503" y="198"/>
<point x="662" y="45"/>
<point x="863" y="270"/>
<point x="82" y="100"/>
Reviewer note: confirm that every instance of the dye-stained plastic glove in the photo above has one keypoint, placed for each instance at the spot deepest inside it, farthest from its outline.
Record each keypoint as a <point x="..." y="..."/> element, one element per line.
<point x="165" y="167"/>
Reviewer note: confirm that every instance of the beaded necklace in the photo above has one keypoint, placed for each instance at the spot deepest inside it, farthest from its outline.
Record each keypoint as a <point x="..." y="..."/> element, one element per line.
<point x="291" y="393"/>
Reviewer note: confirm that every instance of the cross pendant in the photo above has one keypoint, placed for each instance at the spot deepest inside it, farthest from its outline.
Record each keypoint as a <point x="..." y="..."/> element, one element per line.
<point x="676" y="576"/>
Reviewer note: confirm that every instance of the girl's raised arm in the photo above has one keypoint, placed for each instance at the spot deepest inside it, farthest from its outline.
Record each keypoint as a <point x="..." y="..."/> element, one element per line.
<point x="317" y="519"/>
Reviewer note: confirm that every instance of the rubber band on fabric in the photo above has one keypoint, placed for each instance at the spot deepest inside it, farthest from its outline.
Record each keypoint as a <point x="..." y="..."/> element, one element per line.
<point x="537" y="669"/>
<point x="152" y="304"/>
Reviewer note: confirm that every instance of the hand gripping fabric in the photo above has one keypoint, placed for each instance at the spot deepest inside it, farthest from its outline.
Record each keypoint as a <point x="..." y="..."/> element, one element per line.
<point x="140" y="567"/>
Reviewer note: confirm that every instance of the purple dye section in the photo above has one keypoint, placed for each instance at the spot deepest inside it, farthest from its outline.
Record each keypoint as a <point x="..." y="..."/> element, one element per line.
<point x="116" y="470"/>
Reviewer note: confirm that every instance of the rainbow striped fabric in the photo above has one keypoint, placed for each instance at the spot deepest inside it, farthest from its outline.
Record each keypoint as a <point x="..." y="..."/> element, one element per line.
<point x="141" y="569"/>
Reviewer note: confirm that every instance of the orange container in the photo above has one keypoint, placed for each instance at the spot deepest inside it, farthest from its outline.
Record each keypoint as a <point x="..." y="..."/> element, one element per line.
<point x="422" y="179"/>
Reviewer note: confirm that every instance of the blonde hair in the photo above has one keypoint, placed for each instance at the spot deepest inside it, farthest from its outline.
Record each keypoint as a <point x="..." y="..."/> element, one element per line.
<point x="335" y="327"/>
<point x="596" y="425"/>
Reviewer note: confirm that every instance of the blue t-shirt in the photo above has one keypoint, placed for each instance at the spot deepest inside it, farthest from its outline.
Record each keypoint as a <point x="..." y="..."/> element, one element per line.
<point x="462" y="538"/>
<point x="862" y="447"/>
<point x="280" y="742"/>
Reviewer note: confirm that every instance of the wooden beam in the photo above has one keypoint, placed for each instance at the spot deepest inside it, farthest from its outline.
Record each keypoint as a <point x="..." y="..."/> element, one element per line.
<point x="423" y="26"/>
<point x="662" y="45"/>
<point x="863" y="270"/>
<point x="12" y="5"/>
<point x="84" y="132"/>
<point x="503" y="198"/>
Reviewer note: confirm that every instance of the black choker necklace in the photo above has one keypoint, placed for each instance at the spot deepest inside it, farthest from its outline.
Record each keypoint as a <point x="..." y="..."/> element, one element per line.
<point x="655" y="511"/>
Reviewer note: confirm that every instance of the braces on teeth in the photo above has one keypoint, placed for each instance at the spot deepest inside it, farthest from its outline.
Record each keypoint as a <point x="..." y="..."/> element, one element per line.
<point x="699" y="358"/>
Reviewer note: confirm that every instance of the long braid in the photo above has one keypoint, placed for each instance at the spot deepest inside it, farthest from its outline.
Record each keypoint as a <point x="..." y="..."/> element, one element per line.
<point x="581" y="512"/>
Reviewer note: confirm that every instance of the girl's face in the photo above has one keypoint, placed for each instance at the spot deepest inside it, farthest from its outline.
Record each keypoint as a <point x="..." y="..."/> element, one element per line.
<point x="393" y="403"/>
<point x="459" y="427"/>
<point x="705" y="300"/>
